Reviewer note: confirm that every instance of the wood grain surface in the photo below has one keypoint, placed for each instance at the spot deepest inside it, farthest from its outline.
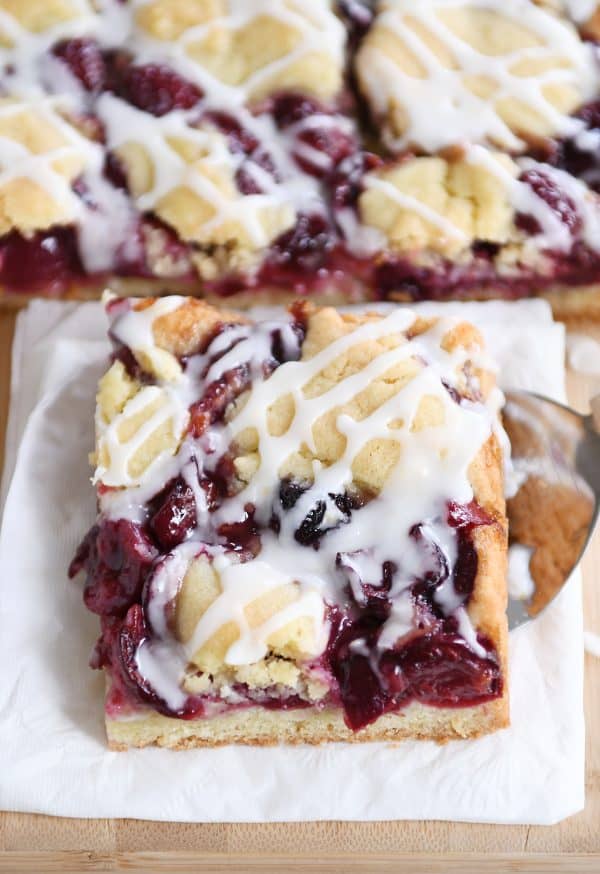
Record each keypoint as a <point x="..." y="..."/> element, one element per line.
<point x="40" y="843"/>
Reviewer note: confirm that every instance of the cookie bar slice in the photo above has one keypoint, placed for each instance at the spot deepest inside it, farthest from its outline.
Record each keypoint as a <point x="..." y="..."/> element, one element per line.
<point x="301" y="533"/>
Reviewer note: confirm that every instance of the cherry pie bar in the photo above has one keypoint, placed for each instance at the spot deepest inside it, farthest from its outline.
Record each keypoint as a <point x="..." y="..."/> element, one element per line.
<point x="401" y="150"/>
<point x="301" y="531"/>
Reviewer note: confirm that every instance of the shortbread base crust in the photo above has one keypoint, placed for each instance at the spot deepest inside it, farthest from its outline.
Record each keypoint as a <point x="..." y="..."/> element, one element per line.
<point x="569" y="304"/>
<point x="258" y="726"/>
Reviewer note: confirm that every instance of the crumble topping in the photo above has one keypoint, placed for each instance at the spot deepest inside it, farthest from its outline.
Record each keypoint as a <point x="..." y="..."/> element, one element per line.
<point x="439" y="205"/>
<point x="251" y="48"/>
<point x="447" y="71"/>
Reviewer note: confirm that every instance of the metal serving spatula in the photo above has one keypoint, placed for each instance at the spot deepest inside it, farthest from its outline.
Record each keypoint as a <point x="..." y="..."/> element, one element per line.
<point x="556" y="458"/>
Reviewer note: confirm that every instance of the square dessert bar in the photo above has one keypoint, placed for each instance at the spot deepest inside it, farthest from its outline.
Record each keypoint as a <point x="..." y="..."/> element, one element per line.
<point x="301" y="531"/>
<point x="349" y="150"/>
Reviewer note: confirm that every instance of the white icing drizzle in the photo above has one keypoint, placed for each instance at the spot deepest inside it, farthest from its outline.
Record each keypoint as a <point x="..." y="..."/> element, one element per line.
<point x="120" y="453"/>
<point x="318" y="28"/>
<point x="580" y="10"/>
<point x="17" y="161"/>
<point x="407" y="201"/>
<point x="432" y="469"/>
<point x="105" y="226"/>
<point x="554" y="234"/>
<point x="459" y="115"/>
<point x="521" y="584"/>
<point x="32" y="75"/>
<point x="133" y="326"/>
<point x="242" y="584"/>
<point x="27" y="62"/>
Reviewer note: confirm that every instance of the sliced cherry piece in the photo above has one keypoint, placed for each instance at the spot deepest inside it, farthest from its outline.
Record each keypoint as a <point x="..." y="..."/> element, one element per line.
<point x="217" y="397"/>
<point x="548" y="190"/>
<point x="243" y="535"/>
<point x="47" y="259"/>
<point x="362" y="696"/>
<point x="331" y="141"/>
<point x="437" y="563"/>
<point x="582" y="163"/>
<point x="131" y="634"/>
<point x="468" y="516"/>
<point x="442" y="671"/>
<point x="134" y="634"/>
<point x="327" y="137"/>
<point x="240" y="139"/>
<point x="175" y="517"/>
<point x="309" y="532"/>
<point x="465" y="568"/>
<point x="370" y="595"/>
<point x="102" y="653"/>
<point x="290" y="107"/>
<point x="303" y="249"/>
<point x="248" y="180"/>
<point x="115" y="172"/>
<point x="289" y="492"/>
<point x="85" y="60"/>
<point x="116" y="556"/>
<point x="156" y="89"/>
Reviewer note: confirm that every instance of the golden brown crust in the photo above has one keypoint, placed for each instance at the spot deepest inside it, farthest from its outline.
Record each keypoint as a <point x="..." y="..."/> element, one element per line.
<point x="259" y="727"/>
<point x="572" y="304"/>
<point x="487" y="606"/>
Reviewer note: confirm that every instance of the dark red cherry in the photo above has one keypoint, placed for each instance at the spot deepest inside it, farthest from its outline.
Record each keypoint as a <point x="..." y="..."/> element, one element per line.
<point x="85" y="60"/>
<point x="175" y="517"/>
<point x="156" y="89"/>
<point x="548" y="190"/>
<point x="441" y="670"/>
<point x="47" y="259"/>
<point x="116" y="556"/>
<point x="304" y="248"/>
<point x="217" y="397"/>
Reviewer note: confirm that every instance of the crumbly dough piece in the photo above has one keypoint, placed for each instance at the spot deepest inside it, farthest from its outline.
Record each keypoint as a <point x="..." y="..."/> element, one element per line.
<point x="39" y="15"/>
<point x="34" y="202"/>
<point x="497" y="73"/>
<point x="260" y="50"/>
<point x="440" y="205"/>
<point x="203" y="203"/>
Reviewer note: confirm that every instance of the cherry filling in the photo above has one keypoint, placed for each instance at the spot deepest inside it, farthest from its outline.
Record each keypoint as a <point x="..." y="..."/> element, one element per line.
<point x="117" y="557"/>
<point x="432" y="663"/>
<point x="568" y="154"/>
<point x="320" y="138"/>
<point x="558" y="201"/>
<point x="46" y="259"/>
<point x="85" y="60"/>
<point x="175" y="517"/>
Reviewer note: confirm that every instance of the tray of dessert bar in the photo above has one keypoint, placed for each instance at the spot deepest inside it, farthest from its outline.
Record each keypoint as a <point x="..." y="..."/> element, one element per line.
<point x="305" y="152"/>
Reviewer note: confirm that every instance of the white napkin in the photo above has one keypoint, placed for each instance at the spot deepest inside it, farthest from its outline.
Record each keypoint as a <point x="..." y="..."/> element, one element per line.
<point x="53" y="757"/>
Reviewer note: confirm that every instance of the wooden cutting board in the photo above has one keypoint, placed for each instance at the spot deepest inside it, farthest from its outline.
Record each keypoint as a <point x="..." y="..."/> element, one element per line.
<point x="41" y="843"/>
